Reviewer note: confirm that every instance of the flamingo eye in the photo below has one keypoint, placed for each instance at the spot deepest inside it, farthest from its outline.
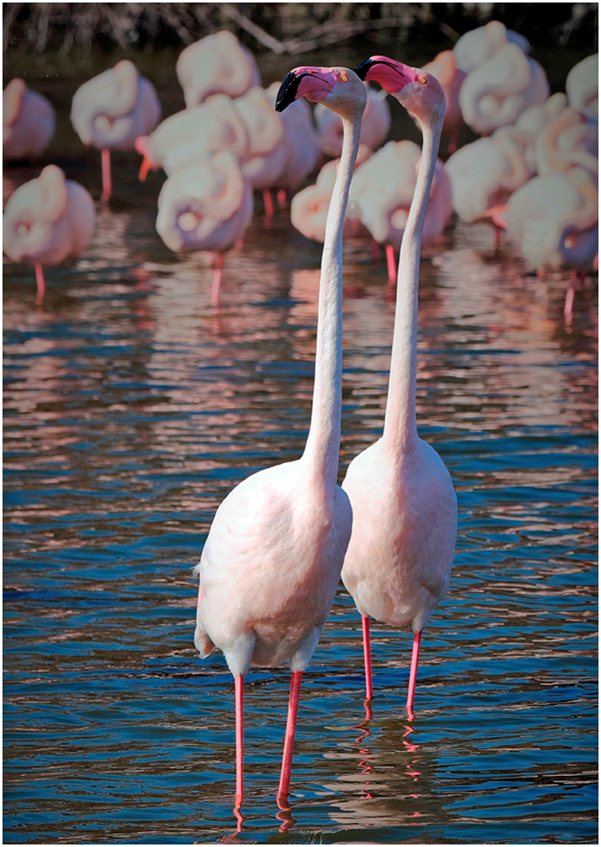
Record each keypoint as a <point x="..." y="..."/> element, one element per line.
<point x="344" y="77"/>
<point x="423" y="80"/>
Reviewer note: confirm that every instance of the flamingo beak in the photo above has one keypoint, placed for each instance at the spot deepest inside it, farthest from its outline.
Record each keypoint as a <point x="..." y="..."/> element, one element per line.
<point x="362" y="69"/>
<point x="288" y="91"/>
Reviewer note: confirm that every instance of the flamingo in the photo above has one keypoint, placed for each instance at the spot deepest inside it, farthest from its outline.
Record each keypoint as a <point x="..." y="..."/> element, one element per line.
<point x="500" y="89"/>
<point x="398" y="563"/>
<point x="553" y="219"/>
<point x="28" y="120"/>
<point x="272" y="560"/>
<point x="478" y="45"/>
<point x="485" y="173"/>
<point x="206" y="206"/>
<point x="192" y="135"/>
<point x="111" y="110"/>
<point x="217" y="64"/>
<point x="47" y="220"/>
<point x="582" y="86"/>
<point x="382" y="192"/>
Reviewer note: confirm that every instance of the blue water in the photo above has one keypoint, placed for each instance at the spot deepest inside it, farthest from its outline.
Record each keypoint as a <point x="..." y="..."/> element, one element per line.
<point x="130" y="410"/>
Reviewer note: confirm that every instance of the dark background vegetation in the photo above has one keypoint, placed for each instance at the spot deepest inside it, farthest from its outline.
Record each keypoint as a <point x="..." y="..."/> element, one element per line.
<point x="283" y="28"/>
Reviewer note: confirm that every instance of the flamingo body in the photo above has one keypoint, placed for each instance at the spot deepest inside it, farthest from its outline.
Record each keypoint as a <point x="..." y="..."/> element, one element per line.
<point x="28" y="120"/>
<point x="530" y="125"/>
<point x="193" y="134"/>
<point x="553" y="220"/>
<point x="273" y="560"/>
<point x="383" y="189"/>
<point x="217" y="64"/>
<point x="570" y="139"/>
<point x="479" y="45"/>
<point x="112" y="109"/>
<point x="582" y="86"/>
<point x="398" y="563"/>
<point x="485" y="173"/>
<point x="496" y="92"/>
<point x="205" y="206"/>
<point x="48" y="220"/>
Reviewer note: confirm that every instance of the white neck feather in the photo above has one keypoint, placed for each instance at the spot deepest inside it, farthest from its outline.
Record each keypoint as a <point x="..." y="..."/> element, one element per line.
<point x="323" y="442"/>
<point x="400" y="428"/>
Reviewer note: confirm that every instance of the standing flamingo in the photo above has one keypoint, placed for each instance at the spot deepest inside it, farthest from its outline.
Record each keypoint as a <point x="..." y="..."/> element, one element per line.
<point x="272" y="560"/>
<point x="111" y="110"/>
<point x="206" y="206"/>
<point x="28" y="121"/>
<point x="398" y="562"/>
<point x="47" y="220"/>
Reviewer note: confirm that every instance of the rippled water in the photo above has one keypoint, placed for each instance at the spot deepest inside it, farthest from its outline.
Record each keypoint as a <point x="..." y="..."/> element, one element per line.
<point x="132" y="407"/>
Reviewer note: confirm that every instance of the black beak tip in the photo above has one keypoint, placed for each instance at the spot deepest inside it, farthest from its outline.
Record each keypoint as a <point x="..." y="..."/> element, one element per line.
<point x="362" y="69"/>
<point x="287" y="92"/>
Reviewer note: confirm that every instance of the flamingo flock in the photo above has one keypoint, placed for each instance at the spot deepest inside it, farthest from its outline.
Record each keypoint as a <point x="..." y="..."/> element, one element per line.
<point x="283" y="538"/>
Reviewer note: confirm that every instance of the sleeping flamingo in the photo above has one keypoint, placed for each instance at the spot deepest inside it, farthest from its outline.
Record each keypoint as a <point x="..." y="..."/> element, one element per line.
<point x="500" y="89"/>
<point x="48" y="220"/>
<point x="206" y="207"/>
<point x="192" y="135"/>
<point x="28" y="121"/>
<point x="398" y="563"/>
<point x="582" y="86"/>
<point x="480" y="44"/>
<point x="217" y="64"/>
<point x="272" y="560"/>
<point x="382" y="192"/>
<point x="111" y="110"/>
<point x="553" y="219"/>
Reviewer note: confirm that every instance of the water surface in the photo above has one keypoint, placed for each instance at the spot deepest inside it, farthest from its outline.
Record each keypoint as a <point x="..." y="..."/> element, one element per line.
<point x="131" y="409"/>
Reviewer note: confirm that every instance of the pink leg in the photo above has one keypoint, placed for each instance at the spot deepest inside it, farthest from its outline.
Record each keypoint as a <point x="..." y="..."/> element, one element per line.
<point x="375" y="252"/>
<point x="369" y="691"/>
<point x="216" y="285"/>
<point x="391" y="264"/>
<point x="268" y="202"/>
<point x="295" y="686"/>
<point x="413" y="671"/>
<point x="41" y="284"/>
<point x="569" y="301"/>
<point x="239" y="691"/>
<point x="282" y="198"/>
<point x="107" y="187"/>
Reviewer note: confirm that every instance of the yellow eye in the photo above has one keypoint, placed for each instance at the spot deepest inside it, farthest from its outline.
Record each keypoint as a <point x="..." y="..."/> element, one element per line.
<point x="423" y="80"/>
<point x="344" y="77"/>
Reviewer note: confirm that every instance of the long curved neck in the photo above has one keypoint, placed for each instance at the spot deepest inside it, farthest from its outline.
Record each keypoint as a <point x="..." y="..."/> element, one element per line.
<point x="323" y="442"/>
<point x="400" y="428"/>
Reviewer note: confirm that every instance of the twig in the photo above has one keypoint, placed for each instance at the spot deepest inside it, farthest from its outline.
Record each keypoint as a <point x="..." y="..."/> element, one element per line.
<point x="263" y="37"/>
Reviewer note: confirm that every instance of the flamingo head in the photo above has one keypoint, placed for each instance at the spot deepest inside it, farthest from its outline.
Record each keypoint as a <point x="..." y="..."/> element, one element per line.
<point x="340" y="89"/>
<point x="418" y="91"/>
